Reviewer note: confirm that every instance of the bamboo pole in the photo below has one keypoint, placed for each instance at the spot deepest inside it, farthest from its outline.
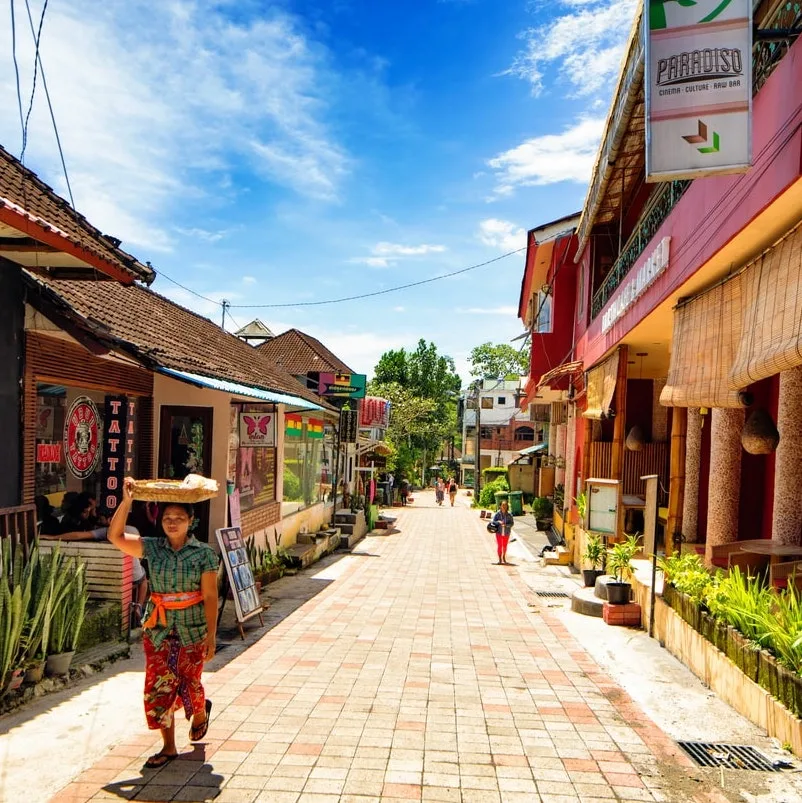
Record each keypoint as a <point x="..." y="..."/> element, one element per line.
<point x="586" y="447"/>
<point x="676" y="488"/>
<point x="620" y="423"/>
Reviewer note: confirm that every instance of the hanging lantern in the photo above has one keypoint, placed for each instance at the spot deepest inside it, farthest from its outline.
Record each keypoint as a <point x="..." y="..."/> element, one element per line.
<point x="760" y="435"/>
<point x="635" y="439"/>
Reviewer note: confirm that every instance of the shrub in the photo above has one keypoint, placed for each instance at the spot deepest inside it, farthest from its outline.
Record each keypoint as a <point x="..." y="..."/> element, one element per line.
<point x="542" y="508"/>
<point x="487" y="496"/>
<point x="292" y="486"/>
<point x="492" y="473"/>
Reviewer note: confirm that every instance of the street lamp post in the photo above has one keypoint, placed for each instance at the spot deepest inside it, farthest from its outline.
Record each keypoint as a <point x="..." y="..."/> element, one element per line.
<point x="477" y="472"/>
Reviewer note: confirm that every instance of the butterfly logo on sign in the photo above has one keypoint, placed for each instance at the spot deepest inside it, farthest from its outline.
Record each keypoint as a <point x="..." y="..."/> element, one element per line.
<point x="256" y="429"/>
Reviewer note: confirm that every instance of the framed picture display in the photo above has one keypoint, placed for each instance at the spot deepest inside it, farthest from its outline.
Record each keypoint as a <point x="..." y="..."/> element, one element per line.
<point x="240" y="576"/>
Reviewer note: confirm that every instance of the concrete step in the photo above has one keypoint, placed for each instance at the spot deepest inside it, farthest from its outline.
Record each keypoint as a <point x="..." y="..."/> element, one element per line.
<point x="349" y="540"/>
<point x="584" y="601"/>
<point x="318" y="537"/>
<point x="345" y="518"/>
<point x="559" y="557"/>
<point x="305" y="553"/>
<point x="346" y="529"/>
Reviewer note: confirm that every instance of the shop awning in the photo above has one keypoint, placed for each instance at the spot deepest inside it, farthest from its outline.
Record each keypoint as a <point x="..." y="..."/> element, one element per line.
<point x="538" y="447"/>
<point x="236" y="389"/>
<point x="600" y="387"/>
<point x="368" y="445"/>
<point x="707" y="330"/>
<point x="566" y="369"/>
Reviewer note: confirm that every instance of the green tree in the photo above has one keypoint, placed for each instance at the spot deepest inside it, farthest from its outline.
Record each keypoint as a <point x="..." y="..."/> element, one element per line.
<point x="495" y="361"/>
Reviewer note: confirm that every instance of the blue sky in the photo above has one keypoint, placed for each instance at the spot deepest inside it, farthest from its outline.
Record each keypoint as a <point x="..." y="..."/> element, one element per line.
<point x="272" y="152"/>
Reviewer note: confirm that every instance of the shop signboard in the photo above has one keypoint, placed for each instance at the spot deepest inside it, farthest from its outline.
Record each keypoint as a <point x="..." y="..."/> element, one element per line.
<point x="240" y="576"/>
<point x="342" y="386"/>
<point x="375" y="413"/>
<point x="130" y="437"/>
<point x="82" y="437"/>
<point x="115" y="433"/>
<point x="698" y="83"/>
<point x="348" y="426"/>
<point x="48" y="452"/>
<point x="257" y="429"/>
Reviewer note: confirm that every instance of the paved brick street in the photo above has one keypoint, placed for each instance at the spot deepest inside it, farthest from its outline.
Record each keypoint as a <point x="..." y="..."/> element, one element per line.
<point x="422" y="672"/>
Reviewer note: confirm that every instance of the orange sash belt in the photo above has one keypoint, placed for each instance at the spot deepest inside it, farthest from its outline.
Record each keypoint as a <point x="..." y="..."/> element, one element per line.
<point x="170" y="602"/>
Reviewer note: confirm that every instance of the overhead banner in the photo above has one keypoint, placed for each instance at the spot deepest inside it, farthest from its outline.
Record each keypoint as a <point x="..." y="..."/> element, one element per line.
<point x="698" y="88"/>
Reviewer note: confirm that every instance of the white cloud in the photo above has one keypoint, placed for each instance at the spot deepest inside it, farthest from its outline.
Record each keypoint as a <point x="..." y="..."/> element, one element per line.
<point x="585" y="44"/>
<point x="204" y="234"/>
<point x="503" y="310"/>
<point x="399" y="309"/>
<point x="249" y="280"/>
<point x="397" y="249"/>
<point x="156" y="100"/>
<point x="549" y="159"/>
<point x="386" y="254"/>
<point x="502" y="234"/>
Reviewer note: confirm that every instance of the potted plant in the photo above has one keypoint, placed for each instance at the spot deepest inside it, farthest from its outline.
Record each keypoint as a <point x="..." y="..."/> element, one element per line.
<point x="581" y="503"/>
<point x="619" y="564"/>
<point x="542" y="509"/>
<point x="593" y="554"/>
<point x="67" y="620"/>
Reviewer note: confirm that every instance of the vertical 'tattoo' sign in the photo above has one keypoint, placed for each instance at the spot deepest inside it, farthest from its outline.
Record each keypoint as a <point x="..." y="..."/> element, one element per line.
<point x="115" y="446"/>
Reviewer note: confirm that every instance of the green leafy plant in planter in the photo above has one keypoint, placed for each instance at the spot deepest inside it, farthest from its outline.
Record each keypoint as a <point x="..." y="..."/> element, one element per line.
<point x="67" y="618"/>
<point x="559" y="497"/>
<point x="542" y="509"/>
<point x="619" y="564"/>
<point x="594" y="555"/>
<point x="581" y="502"/>
<point x="14" y="600"/>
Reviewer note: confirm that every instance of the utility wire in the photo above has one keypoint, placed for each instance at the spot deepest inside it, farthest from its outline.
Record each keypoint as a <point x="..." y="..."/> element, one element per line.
<point x="47" y="96"/>
<point x="349" y="298"/>
<point x="37" y="36"/>
<point x="16" y="72"/>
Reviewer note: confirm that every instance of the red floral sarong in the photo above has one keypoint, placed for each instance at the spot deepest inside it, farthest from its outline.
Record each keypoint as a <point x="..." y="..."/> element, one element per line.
<point x="172" y="680"/>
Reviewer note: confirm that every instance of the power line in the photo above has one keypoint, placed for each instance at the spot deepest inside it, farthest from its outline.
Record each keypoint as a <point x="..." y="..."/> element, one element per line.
<point x="16" y="71"/>
<point x="346" y="298"/>
<point x="47" y="96"/>
<point x="37" y="36"/>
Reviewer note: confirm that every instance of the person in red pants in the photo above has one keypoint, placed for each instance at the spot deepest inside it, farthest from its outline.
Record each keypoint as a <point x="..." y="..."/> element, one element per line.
<point x="504" y="521"/>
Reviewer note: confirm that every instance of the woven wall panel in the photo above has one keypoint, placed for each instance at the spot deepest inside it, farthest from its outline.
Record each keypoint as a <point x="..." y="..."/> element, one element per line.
<point x="600" y="387"/>
<point x="771" y="339"/>
<point x="601" y="459"/>
<point x="707" y="330"/>
<point x="652" y="459"/>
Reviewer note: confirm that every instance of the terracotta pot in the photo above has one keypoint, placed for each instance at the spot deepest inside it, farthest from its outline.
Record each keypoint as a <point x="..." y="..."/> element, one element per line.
<point x="59" y="664"/>
<point x="35" y="673"/>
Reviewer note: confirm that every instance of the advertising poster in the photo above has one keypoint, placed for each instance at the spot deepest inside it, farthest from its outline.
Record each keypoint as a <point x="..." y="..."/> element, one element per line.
<point x="245" y="477"/>
<point x="238" y="569"/>
<point x="698" y="88"/>
<point x="257" y="429"/>
<point x="82" y="437"/>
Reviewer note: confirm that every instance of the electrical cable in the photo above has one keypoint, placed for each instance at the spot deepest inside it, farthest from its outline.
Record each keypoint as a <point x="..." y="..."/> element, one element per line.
<point x="49" y="104"/>
<point x="36" y="62"/>
<point x="16" y="71"/>
<point x="349" y="298"/>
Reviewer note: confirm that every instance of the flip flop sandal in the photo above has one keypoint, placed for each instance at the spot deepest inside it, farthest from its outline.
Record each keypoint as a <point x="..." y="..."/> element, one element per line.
<point x="197" y="733"/>
<point x="160" y="760"/>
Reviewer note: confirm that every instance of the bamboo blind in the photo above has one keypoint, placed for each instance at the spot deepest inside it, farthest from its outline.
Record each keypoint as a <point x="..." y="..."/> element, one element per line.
<point x="600" y="385"/>
<point x="772" y="313"/>
<point x="707" y="330"/>
<point x="652" y="459"/>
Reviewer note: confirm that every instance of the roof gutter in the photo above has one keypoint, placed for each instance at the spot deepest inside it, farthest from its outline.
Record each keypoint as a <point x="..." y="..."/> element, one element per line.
<point x="626" y="95"/>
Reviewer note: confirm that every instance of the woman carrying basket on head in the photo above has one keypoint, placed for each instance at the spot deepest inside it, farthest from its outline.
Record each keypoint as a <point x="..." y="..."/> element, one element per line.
<point x="180" y="619"/>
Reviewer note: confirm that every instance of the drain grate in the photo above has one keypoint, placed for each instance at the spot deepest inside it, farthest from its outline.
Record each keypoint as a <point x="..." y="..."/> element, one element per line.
<point x="552" y="594"/>
<point x="731" y="756"/>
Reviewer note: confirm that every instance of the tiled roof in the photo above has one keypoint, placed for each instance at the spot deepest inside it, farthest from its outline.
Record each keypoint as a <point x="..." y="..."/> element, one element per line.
<point x="159" y="332"/>
<point x="299" y="354"/>
<point x="42" y="214"/>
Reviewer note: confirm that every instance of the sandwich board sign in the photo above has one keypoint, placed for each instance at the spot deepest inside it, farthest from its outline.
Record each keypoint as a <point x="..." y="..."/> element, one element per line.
<point x="698" y="82"/>
<point x="238" y="568"/>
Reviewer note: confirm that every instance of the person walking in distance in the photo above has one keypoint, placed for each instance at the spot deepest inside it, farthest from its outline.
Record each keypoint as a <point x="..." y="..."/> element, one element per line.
<point x="180" y="620"/>
<point x="504" y="521"/>
<point x="452" y="490"/>
<point x="404" y="492"/>
<point x="440" y="491"/>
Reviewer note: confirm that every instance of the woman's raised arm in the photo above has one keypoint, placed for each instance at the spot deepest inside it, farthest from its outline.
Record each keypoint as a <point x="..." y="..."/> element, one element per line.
<point x="125" y="542"/>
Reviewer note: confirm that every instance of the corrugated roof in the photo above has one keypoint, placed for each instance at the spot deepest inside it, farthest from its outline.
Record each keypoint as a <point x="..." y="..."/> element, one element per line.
<point x="159" y="332"/>
<point x="30" y="206"/>
<point x="299" y="353"/>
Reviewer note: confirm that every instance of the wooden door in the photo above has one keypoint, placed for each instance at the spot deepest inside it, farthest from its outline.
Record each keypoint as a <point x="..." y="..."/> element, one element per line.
<point x="185" y="447"/>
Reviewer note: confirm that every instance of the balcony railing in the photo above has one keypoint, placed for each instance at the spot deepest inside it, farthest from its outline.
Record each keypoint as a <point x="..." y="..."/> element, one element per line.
<point x="660" y="205"/>
<point x="780" y="29"/>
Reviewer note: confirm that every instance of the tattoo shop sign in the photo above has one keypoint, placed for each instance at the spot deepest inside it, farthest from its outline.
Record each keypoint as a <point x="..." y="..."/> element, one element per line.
<point x="119" y="431"/>
<point x="82" y="437"/>
<point x="698" y="88"/>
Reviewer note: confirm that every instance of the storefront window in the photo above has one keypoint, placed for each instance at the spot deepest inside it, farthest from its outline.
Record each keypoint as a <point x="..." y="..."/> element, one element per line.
<point x="308" y="462"/>
<point x="253" y="444"/>
<point x="85" y="442"/>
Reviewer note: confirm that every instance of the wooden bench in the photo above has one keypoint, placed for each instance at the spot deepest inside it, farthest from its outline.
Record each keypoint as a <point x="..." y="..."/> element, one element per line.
<point x="749" y="563"/>
<point x="721" y="553"/>
<point x="780" y="574"/>
<point x="109" y="573"/>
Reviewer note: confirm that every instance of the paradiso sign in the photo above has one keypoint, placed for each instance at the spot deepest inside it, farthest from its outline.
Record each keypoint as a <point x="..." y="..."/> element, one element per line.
<point x="698" y="88"/>
<point x="633" y="289"/>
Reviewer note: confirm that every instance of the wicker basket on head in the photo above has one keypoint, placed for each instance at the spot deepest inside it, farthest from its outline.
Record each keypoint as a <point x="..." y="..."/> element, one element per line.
<point x="171" y="491"/>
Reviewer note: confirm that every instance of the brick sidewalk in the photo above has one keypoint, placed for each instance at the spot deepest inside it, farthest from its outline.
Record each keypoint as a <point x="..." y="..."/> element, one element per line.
<point x="420" y="673"/>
